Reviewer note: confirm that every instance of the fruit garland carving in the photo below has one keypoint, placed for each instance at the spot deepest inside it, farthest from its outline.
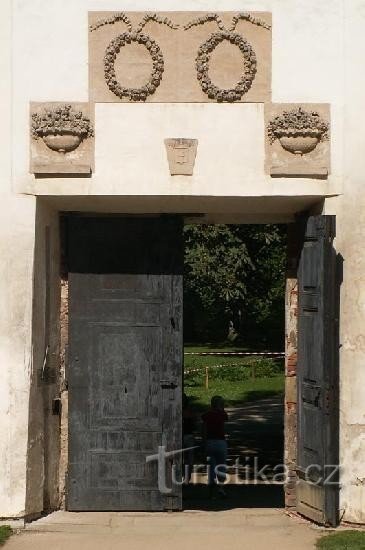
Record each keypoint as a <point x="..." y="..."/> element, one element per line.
<point x="113" y="49"/>
<point x="206" y="49"/>
<point x="61" y="120"/>
<point x="298" y="122"/>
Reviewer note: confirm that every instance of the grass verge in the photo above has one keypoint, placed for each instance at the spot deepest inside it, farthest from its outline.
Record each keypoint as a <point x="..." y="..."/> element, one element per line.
<point x="5" y="532"/>
<point x="242" y="379"/>
<point x="347" y="540"/>
<point x="235" y="392"/>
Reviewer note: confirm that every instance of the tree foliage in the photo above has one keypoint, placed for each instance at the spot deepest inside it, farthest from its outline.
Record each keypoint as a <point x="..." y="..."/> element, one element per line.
<point x="234" y="281"/>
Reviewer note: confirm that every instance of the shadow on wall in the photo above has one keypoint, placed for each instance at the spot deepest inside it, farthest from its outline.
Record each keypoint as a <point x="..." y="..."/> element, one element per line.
<point x="44" y="420"/>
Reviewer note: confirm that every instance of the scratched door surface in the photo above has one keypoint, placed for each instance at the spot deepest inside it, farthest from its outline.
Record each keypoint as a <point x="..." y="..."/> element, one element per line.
<point x="125" y="360"/>
<point x="318" y="405"/>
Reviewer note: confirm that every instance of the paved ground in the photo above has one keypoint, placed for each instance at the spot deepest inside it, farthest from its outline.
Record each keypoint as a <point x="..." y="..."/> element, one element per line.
<point x="252" y="517"/>
<point x="256" y="438"/>
<point x="237" y="529"/>
<point x="256" y="428"/>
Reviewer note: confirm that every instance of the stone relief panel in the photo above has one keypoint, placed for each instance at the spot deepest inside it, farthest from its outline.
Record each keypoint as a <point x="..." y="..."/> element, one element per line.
<point x="180" y="57"/>
<point x="181" y="154"/>
<point x="62" y="138"/>
<point x="297" y="139"/>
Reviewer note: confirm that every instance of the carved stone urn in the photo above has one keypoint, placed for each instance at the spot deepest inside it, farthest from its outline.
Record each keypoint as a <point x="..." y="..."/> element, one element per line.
<point x="298" y="131"/>
<point x="299" y="142"/>
<point x="61" y="128"/>
<point x="62" y="143"/>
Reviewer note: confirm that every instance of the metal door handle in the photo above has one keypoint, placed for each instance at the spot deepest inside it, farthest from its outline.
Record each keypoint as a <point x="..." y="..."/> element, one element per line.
<point x="168" y="385"/>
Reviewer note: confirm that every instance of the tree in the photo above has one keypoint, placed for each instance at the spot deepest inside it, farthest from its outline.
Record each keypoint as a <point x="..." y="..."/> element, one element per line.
<point x="234" y="280"/>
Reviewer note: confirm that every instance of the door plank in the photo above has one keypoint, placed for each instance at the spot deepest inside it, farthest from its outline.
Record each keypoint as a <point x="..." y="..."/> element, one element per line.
<point x="125" y="333"/>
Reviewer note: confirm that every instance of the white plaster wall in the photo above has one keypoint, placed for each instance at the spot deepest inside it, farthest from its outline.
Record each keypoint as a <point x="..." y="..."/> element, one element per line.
<point x="130" y="153"/>
<point x="16" y="263"/>
<point x="5" y="95"/>
<point x="16" y="276"/>
<point x="43" y="427"/>
<point x="350" y="211"/>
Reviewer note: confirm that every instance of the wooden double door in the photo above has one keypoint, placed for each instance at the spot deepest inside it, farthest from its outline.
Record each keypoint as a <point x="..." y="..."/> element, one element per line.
<point x="126" y="356"/>
<point x="125" y="360"/>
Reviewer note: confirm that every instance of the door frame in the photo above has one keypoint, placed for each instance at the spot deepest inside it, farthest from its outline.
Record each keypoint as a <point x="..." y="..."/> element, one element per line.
<point x="291" y="317"/>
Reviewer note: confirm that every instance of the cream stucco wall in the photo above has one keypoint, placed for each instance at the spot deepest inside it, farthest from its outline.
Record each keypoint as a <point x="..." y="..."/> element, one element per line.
<point x="43" y="57"/>
<point x="43" y="445"/>
<point x="16" y="254"/>
<point x="350" y="211"/>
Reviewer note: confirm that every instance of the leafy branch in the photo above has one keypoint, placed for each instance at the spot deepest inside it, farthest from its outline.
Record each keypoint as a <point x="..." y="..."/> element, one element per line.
<point x="205" y="19"/>
<point x="251" y="19"/>
<point x="121" y="16"/>
<point x="158" y="19"/>
<point x="215" y="17"/>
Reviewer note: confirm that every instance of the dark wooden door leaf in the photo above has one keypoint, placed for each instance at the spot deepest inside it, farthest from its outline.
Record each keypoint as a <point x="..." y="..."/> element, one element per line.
<point x="125" y="288"/>
<point x="318" y="424"/>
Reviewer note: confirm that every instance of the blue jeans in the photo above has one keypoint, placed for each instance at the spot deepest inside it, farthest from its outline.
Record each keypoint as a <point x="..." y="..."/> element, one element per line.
<point x="217" y="458"/>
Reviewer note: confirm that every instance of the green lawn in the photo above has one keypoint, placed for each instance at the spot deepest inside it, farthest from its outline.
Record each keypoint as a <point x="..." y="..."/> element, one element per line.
<point x="242" y="379"/>
<point x="5" y="532"/>
<point x="235" y="392"/>
<point x="347" y="540"/>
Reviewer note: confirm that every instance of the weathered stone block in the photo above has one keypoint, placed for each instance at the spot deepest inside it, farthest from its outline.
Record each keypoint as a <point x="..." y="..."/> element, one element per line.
<point x="297" y="139"/>
<point x="62" y="138"/>
<point x="181" y="155"/>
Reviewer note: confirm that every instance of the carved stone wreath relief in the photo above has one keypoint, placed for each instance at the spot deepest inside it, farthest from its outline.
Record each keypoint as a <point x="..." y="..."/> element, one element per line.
<point x="115" y="46"/>
<point x="182" y="47"/>
<point x="207" y="48"/>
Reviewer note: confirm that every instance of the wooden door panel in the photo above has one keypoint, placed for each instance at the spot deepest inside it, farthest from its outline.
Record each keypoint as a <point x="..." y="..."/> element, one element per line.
<point x="122" y="470"/>
<point x="317" y="372"/>
<point x="311" y="501"/>
<point x="125" y="293"/>
<point x="124" y="362"/>
<point x="103" y="499"/>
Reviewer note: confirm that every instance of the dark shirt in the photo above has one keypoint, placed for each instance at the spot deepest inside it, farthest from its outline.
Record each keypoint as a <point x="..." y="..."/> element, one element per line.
<point x="214" y="423"/>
